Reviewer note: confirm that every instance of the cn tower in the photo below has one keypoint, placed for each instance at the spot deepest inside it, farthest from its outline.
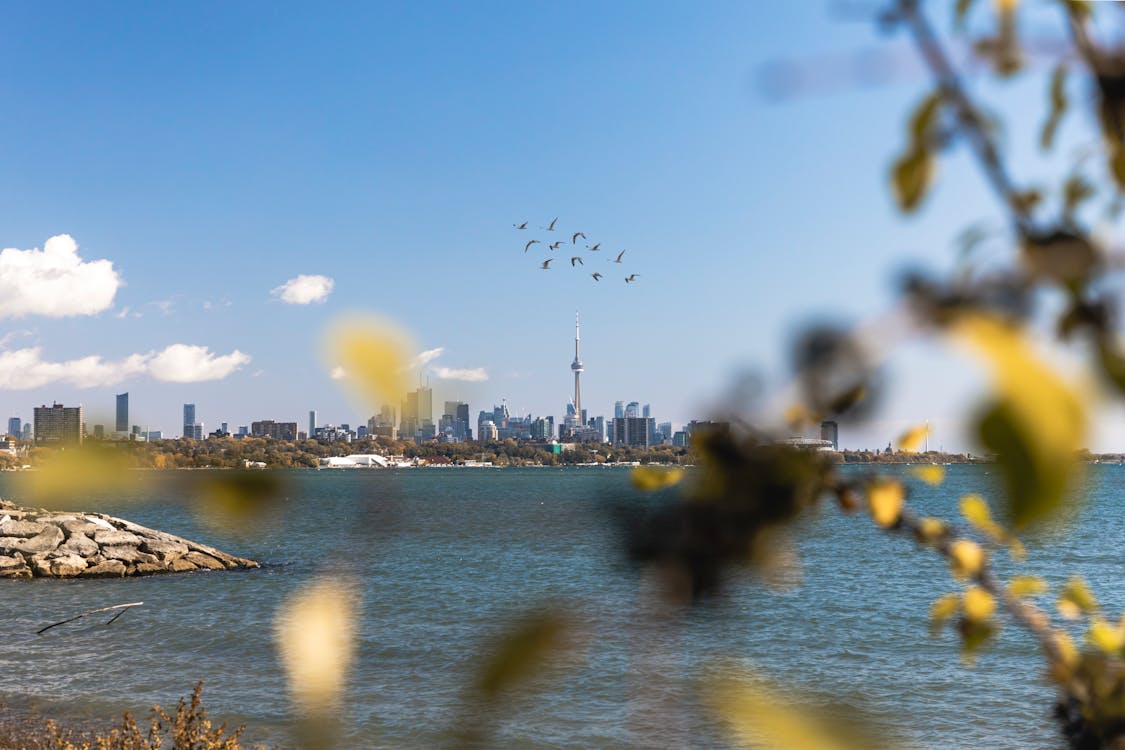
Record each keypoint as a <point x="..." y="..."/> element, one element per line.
<point x="576" y="365"/>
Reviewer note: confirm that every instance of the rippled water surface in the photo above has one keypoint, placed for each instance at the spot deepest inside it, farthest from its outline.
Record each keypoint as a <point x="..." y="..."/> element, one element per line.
<point x="447" y="556"/>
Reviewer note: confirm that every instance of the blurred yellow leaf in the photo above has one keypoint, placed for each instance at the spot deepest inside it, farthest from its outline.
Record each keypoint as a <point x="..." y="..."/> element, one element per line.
<point x="1068" y="652"/>
<point x="885" y="499"/>
<point x="911" y="176"/>
<point x="924" y="116"/>
<point x="931" y="475"/>
<point x="521" y="653"/>
<point x="974" y="635"/>
<point x="943" y="608"/>
<point x="1076" y="599"/>
<point x="315" y="635"/>
<point x="1037" y="424"/>
<point x="238" y="502"/>
<point x="1024" y="586"/>
<point x="651" y="478"/>
<point x="975" y="511"/>
<point x="930" y="530"/>
<point x="79" y="476"/>
<point x="912" y="439"/>
<point x="966" y="558"/>
<point x="1105" y="637"/>
<point x="374" y="358"/>
<point x="757" y="716"/>
<point x="978" y="604"/>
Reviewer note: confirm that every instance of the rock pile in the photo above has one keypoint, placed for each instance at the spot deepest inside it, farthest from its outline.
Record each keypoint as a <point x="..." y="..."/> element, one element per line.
<point x="42" y="543"/>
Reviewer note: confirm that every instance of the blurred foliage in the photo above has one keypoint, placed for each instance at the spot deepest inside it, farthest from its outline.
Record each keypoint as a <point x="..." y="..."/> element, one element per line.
<point x="763" y="716"/>
<point x="735" y="512"/>
<point x="1049" y="293"/>
<point x="186" y="729"/>
<point x="315" y="634"/>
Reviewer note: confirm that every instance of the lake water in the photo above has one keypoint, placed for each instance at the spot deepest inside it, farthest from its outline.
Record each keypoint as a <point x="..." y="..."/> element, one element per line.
<point x="446" y="557"/>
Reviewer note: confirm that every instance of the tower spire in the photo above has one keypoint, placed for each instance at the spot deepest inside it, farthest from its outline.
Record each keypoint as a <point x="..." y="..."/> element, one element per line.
<point x="576" y="366"/>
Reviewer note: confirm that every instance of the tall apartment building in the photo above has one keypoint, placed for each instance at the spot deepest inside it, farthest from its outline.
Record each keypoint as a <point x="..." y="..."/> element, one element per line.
<point x="58" y="425"/>
<point x="189" y="421"/>
<point x="633" y="431"/>
<point x="121" y="424"/>
<point x="275" y="430"/>
<point x="417" y="414"/>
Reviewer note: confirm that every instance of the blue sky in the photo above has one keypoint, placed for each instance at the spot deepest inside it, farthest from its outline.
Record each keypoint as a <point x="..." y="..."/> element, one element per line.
<point x="213" y="151"/>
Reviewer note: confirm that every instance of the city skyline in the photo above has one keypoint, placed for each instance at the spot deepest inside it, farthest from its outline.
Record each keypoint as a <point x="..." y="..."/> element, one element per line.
<point x="411" y="411"/>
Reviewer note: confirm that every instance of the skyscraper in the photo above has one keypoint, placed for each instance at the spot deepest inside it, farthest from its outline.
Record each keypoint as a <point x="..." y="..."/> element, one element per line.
<point x="618" y="409"/>
<point x="312" y="424"/>
<point x="458" y="413"/>
<point x="58" y="424"/>
<point x="830" y="431"/>
<point x="189" y="420"/>
<point x="418" y="414"/>
<point x="14" y="427"/>
<point x="122" y="423"/>
<point x="576" y="365"/>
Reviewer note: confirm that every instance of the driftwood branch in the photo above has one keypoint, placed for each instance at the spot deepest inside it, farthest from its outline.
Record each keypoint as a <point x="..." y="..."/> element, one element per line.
<point x="122" y="607"/>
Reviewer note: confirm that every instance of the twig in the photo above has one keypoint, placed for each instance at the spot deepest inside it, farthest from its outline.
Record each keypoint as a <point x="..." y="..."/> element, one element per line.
<point x="967" y="114"/>
<point x="121" y="607"/>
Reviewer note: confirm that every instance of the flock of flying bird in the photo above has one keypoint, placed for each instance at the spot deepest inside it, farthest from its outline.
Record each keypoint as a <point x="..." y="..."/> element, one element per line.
<point x="575" y="260"/>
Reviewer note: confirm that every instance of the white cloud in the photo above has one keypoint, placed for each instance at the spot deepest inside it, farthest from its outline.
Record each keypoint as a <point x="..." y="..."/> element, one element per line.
<point x="304" y="289"/>
<point x="21" y="369"/>
<point x="54" y="281"/>
<point x="184" y="363"/>
<point x="165" y="306"/>
<point x="427" y="356"/>
<point x="472" y="375"/>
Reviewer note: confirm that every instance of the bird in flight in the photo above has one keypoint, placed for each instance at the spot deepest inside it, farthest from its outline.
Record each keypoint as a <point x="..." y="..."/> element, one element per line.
<point x="574" y="239"/>
<point x="551" y="227"/>
<point x="520" y="226"/>
<point x="594" y="249"/>
<point x="575" y="259"/>
<point x="555" y="245"/>
<point x="546" y="264"/>
<point x="529" y="244"/>
<point x="618" y="259"/>
<point x="597" y="276"/>
<point x="631" y="277"/>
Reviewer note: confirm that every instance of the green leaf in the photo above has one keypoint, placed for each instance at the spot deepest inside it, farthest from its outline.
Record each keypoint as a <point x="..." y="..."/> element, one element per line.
<point x="911" y="176"/>
<point x="924" y="117"/>
<point x="1035" y="479"/>
<point x="1059" y="104"/>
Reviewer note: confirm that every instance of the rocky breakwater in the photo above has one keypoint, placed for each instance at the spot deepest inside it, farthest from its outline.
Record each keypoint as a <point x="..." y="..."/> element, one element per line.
<point x="42" y="543"/>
